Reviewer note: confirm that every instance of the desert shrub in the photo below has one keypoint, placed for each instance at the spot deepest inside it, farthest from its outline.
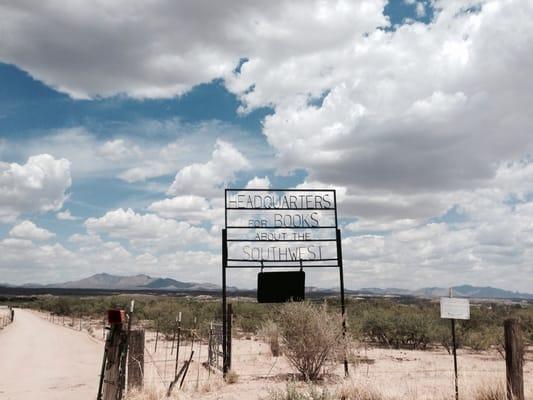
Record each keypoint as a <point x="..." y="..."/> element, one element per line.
<point x="400" y="326"/>
<point x="309" y="336"/>
<point x="482" y="339"/>
<point x="401" y="322"/>
<point x="248" y="317"/>
<point x="270" y="332"/>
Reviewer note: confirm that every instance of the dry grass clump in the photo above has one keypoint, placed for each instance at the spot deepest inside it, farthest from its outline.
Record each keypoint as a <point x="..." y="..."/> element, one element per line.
<point x="352" y="392"/>
<point x="232" y="377"/>
<point x="153" y="392"/>
<point x="310" y="336"/>
<point x="293" y="392"/>
<point x="490" y="392"/>
<point x="270" y="332"/>
<point x="147" y="393"/>
<point x="313" y="392"/>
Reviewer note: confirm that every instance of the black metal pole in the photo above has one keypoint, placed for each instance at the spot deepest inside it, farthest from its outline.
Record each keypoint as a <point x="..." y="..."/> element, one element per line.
<point x="228" y="335"/>
<point x="178" y="345"/>
<point x="455" y="360"/>
<point x="224" y="310"/>
<point x="343" y="308"/>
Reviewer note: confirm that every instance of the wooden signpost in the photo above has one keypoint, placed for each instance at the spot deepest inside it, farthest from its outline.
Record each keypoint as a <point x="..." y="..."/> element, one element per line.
<point x="454" y="308"/>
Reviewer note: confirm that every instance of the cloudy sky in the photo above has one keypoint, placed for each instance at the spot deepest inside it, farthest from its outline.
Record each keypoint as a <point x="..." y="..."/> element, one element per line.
<point x="121" y="122"/>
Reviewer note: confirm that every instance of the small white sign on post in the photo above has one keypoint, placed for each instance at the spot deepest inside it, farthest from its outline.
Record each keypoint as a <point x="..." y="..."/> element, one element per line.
<point x="454" y="308"/>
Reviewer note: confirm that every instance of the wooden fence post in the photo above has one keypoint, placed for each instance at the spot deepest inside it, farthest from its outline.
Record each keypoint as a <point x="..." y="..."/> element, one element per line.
<point x="136" y="359"/>
<point x="514" y="360"/>
<point x="112" y="384"/>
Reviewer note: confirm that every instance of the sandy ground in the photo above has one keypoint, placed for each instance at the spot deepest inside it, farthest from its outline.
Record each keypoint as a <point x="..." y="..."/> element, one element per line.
<point x="40" y="360"/>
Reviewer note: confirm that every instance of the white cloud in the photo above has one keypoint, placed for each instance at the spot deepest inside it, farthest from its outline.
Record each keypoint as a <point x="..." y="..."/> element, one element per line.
<point x="365" y="225"/>
<point x="119" y="150"/>
<point x="488" y="245"/>
<point x="38" y="186"/>
<point x="420" y="9"/>
<point x="408" y="125"/>
<point x="258" y="183"/>
<point x="146" y="259"/>
<point x="24" y="261"/>
<point x="43" y="39"/>
<point x="28" y="230"/>
<point x="191" y="208"/>
<point x="149" y="231"/>
<point x="66" y="216"/>
<point x="209" y="178"/>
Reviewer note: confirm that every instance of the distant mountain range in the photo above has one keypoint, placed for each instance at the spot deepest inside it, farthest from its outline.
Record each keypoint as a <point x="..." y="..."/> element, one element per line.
<point x="145" y="282"/>
<point x="469" y="291"/>
<point x="136" y="282"/>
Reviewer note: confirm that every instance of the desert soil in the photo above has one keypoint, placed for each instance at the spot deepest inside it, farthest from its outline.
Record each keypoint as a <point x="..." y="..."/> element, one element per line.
<point x="40" y="360"/>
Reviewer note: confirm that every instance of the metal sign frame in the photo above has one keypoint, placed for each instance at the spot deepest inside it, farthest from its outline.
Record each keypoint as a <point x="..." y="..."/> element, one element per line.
<point x="232" y="263"/>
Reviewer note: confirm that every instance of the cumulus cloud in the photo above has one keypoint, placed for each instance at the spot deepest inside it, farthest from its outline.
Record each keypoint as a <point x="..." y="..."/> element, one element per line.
<point x="258" y="183"/>
<point x="425" y="130"/>
<point x="38" y="186"/>
<point x="149" y="231"/>
<point x="208" y="179"/>
<point x="28" y="230"/>
<point x="143" y="37"/>
<point x="117" y="150"/>
<point x="410" y="115"/>
<point x="22" y="260"/>
<point x="190" y="208"/>
<point x="66" y="216"/>
<point x="487" y="243"/>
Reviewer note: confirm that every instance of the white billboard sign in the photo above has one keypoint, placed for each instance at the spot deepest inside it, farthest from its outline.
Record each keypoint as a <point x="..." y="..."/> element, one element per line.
<point x="454" y="308"/>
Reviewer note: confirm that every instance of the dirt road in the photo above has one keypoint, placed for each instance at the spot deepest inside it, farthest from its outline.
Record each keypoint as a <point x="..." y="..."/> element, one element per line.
<point x="40" y="360"/>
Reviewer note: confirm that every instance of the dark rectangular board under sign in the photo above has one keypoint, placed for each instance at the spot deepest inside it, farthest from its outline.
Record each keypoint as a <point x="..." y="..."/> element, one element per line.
<point x="280" y="287"/>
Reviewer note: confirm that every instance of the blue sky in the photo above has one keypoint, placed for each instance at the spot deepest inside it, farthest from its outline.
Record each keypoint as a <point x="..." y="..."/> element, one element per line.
<point x="119" y="129"/>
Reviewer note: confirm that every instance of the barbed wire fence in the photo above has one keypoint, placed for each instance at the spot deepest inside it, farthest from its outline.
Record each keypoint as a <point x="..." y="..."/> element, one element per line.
<point x="6" y="316"/>
<point x="252" y="359"/>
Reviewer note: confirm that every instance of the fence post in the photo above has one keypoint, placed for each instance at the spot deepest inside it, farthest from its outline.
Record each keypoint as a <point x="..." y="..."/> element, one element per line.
<point x="136" y="359"/>
<point x="514" y="360"/>
<point x="111" y="374"/>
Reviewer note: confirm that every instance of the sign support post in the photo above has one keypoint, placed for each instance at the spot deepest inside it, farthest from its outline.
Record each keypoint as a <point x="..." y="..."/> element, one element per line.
<point x="455" y="360"/>
<point x="454" y="308"/>
<point x="454" y="354"/>
<point x="225" y="359"/>
<point x="343" y="308"/>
